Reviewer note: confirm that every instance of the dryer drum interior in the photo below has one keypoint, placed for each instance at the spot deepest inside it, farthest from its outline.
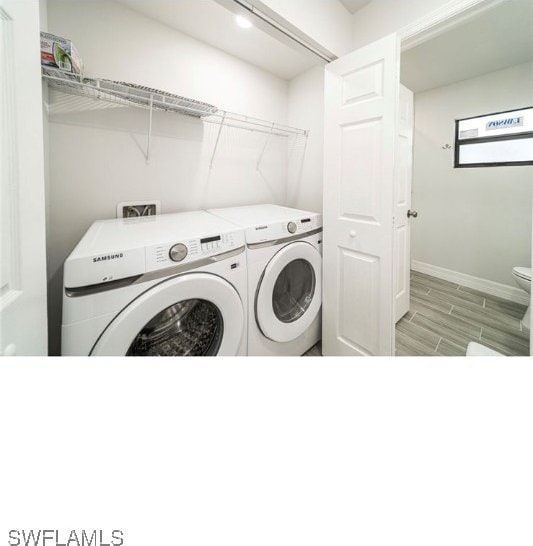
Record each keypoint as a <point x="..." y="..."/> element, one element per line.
<point x="189" y="328"/>
<point x="293" y="290"/>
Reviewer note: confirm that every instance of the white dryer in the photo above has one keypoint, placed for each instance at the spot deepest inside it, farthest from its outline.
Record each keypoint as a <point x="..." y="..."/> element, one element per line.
<point x="165" y="285"/>
<point x="284" y="277"/>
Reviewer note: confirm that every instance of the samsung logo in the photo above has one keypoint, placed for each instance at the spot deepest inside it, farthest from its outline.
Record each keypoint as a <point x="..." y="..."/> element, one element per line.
<point x="505" y="123"/>
<point x="108" y="257"/>
<point x="261" y="227"/>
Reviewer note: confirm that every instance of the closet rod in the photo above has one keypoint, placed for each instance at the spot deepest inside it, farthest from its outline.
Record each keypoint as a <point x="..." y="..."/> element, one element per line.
<point x="285" y="135"/>
<point x="249" y="7"/>
<point x="266" y="125"/>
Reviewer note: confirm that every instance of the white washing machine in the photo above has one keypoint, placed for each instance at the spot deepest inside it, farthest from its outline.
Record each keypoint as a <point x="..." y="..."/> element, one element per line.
<point x="283" y="248"/>
<point x="165" y="285"/>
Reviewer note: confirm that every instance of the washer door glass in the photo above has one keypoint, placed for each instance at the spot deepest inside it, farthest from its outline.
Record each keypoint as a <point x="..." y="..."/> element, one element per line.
<point x="189" y="328"/>
<point x="293" y="291"/>
<point x="191" y="314"/>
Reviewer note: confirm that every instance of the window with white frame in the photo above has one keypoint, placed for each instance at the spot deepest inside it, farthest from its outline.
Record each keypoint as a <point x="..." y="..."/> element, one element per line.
<point x="493" y="140"/>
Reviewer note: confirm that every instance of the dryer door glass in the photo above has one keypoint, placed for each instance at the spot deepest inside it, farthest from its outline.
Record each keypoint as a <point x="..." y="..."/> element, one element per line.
<point x="289" y="295"/>
<point x="189" y="328"/>
<point x="293" y="290"/>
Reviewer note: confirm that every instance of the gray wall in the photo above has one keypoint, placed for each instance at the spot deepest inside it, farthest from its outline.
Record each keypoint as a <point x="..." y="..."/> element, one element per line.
<point x="477" y="220"/>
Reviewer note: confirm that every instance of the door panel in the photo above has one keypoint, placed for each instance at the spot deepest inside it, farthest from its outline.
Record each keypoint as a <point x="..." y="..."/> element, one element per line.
<point x="359" y="275"/>
<point x="402" y="202"/>
<point x="23" y="326"/>
<point x="363" y="84"/>
<point x="357" y="201"/>
<point x="361" y="100"/>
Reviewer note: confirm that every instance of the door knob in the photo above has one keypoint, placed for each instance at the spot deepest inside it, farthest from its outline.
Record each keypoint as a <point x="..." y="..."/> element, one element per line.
<point x="353" y="233"/>
<point x="412" y="213"/>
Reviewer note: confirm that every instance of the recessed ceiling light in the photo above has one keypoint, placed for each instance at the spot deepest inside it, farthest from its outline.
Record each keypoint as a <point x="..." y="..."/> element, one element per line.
<point x="243" y="22"/>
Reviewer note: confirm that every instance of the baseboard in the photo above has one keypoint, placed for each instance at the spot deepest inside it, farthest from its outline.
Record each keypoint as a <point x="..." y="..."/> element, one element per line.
<point x="500" y="290"/>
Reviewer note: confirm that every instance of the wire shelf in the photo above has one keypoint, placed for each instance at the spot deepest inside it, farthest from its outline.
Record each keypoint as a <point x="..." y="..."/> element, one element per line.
<point x="127" y="94"/>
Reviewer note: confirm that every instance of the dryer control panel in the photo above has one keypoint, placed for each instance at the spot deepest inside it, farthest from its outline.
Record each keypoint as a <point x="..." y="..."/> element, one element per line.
<point x="191" y="250"/>
<point x="284" y="229"/>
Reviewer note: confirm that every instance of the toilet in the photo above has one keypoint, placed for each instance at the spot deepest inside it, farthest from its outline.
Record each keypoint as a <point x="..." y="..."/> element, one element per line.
<point x="522" y="276"/>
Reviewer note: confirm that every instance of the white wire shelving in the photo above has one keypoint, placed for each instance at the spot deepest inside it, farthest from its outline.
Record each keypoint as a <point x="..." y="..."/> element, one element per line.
<point x="126" y="94"/>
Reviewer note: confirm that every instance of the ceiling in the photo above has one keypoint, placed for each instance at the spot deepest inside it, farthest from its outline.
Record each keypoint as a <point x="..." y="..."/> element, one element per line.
<point x="353" y="5"/>
<point x="211" y="23"/>
<point x="496" y="39"/>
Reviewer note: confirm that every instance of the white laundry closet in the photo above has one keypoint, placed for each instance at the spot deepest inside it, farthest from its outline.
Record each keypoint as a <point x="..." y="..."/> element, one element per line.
<point x="100" y="154"/>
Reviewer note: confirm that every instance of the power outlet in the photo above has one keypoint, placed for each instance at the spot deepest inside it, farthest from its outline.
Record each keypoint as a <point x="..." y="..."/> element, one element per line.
<point x="136" y="209"/>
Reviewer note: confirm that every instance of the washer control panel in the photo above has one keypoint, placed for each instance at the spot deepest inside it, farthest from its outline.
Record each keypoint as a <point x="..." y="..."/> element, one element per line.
<point x="178" y="252"/>
<point x="191" y="250"/>
<point x="292" y="227"/>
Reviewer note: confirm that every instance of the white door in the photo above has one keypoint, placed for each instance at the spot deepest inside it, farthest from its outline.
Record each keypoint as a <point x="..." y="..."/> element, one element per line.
<point x="23" y="326"/>
<point x="289" y="295"/>
<point x="402" y="203"/>
<point x="361" y="102"/>
<point x="195" y="314"/>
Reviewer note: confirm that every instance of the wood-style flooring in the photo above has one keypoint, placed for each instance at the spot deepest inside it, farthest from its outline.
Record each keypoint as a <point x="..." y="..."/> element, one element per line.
<point x="445" y="317"/>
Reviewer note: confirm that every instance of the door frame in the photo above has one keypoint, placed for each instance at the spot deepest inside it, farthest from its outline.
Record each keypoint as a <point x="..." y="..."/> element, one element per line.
<point x="441" y="20"/>
<point x="438" y="22"/>
<point x="23" y="291"/>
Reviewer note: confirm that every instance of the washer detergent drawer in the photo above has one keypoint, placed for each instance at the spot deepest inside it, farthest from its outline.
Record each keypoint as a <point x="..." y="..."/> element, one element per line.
<point x="112" y="266"/>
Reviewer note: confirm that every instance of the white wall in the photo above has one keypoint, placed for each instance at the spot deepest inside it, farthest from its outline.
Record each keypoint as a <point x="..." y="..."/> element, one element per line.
<point x="382" y="17"/>
<point x="477" y="220"/>
<point x="306" y="109"/>
<point x="96" y="156"/>
<point x="118" y="43"/>
<point x="327" y="22"/>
